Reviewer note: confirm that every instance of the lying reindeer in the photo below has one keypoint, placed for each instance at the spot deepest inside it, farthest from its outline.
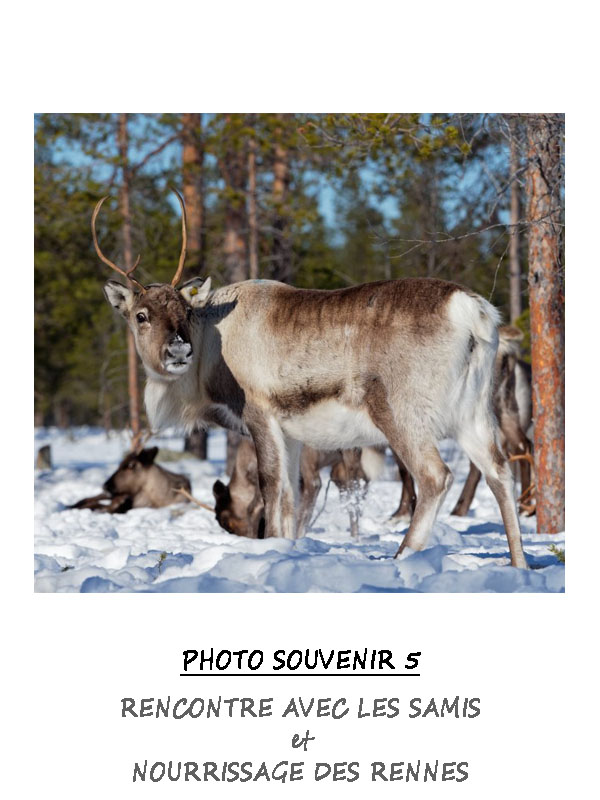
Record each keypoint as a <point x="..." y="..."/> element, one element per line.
<point x="138" y="483"/>
<point x="512" y="407"/>
<point x="408" y="362"/>
<point x="239" y="507"/>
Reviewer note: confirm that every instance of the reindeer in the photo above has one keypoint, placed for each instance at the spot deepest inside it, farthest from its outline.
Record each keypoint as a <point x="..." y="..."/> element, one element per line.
<point x="239" y="507"/>
<point x="407" y="362"/>
<point x="512" y="406"/>
<point x="138" y="483"/>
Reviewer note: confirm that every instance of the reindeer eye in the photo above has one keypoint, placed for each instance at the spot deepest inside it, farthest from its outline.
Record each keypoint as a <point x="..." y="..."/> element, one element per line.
<point x="141" y="317"/>
<point x="133" y="463"/>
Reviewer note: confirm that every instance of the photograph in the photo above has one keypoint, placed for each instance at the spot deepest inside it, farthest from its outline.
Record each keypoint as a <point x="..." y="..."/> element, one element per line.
<point x="299" y="353"/>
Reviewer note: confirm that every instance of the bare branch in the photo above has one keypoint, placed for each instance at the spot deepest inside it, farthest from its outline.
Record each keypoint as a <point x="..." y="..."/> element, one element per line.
<point x="135" y="169"/>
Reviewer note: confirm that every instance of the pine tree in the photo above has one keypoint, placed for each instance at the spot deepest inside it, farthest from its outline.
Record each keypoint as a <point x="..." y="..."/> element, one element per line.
<point x="547" y="308"/>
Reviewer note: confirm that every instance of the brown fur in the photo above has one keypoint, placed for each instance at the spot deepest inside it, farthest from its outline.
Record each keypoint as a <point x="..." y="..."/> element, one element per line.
<point x="138" y="483"/>
<point x="303" y="397"/>
<point x="409" y="361"/>
<point x="239" y="508"/>
<point x="376" y="304"/>
<point x="167" y="315"/>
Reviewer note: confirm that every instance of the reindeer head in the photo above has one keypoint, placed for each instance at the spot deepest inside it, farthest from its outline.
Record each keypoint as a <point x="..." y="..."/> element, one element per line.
<point x="132" y="472"/>
<point x="160" y="316"/>
<point x="235" y="516"/>
<point x="225" y="512"/>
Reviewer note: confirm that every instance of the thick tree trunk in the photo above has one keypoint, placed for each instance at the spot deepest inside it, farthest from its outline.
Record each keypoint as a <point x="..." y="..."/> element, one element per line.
<point x="193" y="195"/>
<point x="514" y="263"/>
<point x="133" y="387"/>
<point x="546" y="302"/>
<point x="282" y="254"/>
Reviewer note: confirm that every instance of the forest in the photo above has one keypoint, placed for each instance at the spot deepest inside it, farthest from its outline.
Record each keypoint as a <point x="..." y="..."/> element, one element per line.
<point x="314" y="200"/>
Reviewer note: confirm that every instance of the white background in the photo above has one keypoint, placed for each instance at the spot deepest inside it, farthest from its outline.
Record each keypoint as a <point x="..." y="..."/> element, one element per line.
<point x="69" y="659"/>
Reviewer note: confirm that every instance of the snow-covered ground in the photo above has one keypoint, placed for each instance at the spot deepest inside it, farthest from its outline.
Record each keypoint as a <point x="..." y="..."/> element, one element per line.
<point x="181" y="548"/>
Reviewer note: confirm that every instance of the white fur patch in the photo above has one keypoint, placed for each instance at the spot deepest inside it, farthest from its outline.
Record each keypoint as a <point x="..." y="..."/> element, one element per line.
<point x="372" y="461"/>
<point x="330" y="425"/>
<point x="475" y="315"/>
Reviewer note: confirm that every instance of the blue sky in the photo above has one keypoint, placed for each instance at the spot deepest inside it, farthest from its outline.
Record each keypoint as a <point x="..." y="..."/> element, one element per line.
<point x="69" y="152"/>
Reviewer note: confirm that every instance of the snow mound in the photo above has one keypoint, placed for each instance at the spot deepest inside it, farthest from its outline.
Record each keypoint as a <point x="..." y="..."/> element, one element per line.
<point x="182" y="548"/>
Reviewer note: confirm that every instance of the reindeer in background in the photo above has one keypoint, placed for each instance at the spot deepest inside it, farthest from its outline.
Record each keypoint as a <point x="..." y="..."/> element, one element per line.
<point x="513" y="409"/>
<point x="138" y="483"/>
<point x="239" y="507"/>
<point x="408" y="362"/>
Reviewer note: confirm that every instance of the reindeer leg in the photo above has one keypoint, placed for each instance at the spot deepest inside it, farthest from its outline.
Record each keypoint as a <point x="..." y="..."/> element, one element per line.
<point x="525" y="448"/>
<point x="273" y="474"/>
<point x="422" y="459"/>
<point x="461" y="509"/>
<point x="354" y="487"/>
<point x="408" y="499"/>
<point x="354" y="514"/>
<point x="519" y="445"/>
<point x="94" y="503"/>
<point x="256" y="515"/>
<point x="434" y="479"/>
<point x="310" y="488"/>
<point x="480" y="445"/>
<point x="291" y="490"/>
<point x="119" y="504"/>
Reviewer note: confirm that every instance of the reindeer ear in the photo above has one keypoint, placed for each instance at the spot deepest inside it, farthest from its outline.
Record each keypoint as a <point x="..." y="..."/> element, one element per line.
<point x="120" y="297"/>
<point x="148" y="455"/>
<point x="196" y="291"/>
<point x="219" y="489"/>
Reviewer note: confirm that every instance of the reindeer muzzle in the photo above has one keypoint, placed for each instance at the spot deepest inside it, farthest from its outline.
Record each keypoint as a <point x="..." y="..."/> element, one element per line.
<point x="178" y="356"/>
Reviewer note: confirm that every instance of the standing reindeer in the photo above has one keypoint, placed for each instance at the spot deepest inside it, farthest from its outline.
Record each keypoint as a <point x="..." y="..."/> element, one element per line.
<point x="239" y="506"/>
<point x="512" y="407"/>
<point x="406" y="362"/>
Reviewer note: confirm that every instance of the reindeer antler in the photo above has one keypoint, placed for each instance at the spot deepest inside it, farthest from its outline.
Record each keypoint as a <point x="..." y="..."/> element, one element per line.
<point x="108" y="262"/>
<point x="139" y="440"/>
<point x="192" y="499"/>
<point x="177" y="276"/>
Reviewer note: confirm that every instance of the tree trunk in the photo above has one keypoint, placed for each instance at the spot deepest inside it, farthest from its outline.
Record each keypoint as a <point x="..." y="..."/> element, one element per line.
<point x="133" y="387"/>
<point x="546" y="302"/>
<point x="62" y="418"/>
<point x="234" y="248"/>
<point x="514" y="263"/>
<point x="197" y="444"/>
<point x="234" y="168"/>
<point x="252" y="216"/>
<point x="281" y="255"/>
<point x="193" y="194"/>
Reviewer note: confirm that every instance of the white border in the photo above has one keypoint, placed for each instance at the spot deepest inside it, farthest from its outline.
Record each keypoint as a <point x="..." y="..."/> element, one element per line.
<point x="530" y="657"/>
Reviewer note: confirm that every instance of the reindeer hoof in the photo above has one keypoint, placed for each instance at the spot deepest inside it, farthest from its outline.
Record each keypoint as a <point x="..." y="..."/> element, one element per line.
<point x="400" y="519"/>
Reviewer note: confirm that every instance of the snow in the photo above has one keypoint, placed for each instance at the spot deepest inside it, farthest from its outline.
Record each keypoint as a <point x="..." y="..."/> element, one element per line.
<point x="181" y="548"/>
